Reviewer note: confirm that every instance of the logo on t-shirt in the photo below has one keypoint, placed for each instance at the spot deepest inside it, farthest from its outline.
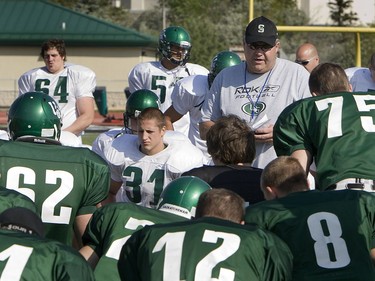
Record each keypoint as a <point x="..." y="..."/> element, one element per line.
<point x="248" y="108"/>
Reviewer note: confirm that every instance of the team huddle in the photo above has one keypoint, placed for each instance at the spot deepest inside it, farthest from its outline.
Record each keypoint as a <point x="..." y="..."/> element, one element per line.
<point x="256" y="169"/>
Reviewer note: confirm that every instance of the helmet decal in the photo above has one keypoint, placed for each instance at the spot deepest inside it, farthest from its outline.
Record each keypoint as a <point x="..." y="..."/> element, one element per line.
<point x="34" y="114"/>
<point x="181" y="195"/>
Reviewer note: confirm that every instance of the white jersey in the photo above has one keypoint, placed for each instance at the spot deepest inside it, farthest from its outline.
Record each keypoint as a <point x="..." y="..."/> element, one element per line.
<point x="104" y="140"/>
<point x="362" y="81"/>
<point x="143" y="177"/>
<point x="187" y="97"/>
<point x="256" y="98"/>
<point x="70" y="139"/>
<point x="4" y="135"/>
<point x="66" y="87"/>
<point x="155" y="77"/>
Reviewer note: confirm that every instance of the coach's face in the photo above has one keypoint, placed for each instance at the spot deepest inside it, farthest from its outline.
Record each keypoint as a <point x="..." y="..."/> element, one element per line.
<point x="260" y="57"/>
<point x="150" y="136"/>
<point x="53" y="60"/>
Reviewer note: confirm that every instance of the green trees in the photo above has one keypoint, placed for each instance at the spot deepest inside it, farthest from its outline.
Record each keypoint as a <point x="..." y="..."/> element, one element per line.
<point x="340" y="12"/>
<point x="217" y="25"/>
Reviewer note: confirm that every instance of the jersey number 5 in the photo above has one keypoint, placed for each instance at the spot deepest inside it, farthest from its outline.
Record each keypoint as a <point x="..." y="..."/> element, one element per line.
<point x="156" y="86"/>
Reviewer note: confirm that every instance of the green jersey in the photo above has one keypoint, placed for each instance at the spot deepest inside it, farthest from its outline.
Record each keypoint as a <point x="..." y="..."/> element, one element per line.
<point x="111" y="226"/>
<point x="28" y="257"/>
<point x="11" y="198"/>
<point x="337" y="129"/>
<point x="204" y="249"/>
<point x="329" y="233"/>
<point x="64" y="182"/>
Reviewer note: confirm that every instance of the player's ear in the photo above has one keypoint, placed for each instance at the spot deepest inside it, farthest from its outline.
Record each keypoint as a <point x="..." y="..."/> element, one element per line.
<point x="271" y="193"/>
<point x="163" y="129"/>
<point x="314" y="94"/>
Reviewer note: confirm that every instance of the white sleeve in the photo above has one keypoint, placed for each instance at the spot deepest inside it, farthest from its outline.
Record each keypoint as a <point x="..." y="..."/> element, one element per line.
<point x="84" y="79"/>
<point x="182" y="100"/>
<point x="195" y="69"/>
<point x="185" y="157"/>
<point x="24" y="84"/>
<point x="211" y="105"/>
<point x="70" y="139"/>
<point x="135" y="79"/>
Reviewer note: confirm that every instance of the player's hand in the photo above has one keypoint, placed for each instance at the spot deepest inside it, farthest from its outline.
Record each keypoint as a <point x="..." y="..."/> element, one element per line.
<point x="264" y="134"/>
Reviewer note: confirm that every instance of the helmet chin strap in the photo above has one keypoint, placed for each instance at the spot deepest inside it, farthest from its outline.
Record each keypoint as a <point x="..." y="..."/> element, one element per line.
<point x="176" y="62"/>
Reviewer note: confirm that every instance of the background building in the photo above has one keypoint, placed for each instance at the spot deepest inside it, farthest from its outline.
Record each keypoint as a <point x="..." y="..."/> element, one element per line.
<point x="136" y="5"/>
<point x="109" y="50"/>
<point x="318" y="11"/>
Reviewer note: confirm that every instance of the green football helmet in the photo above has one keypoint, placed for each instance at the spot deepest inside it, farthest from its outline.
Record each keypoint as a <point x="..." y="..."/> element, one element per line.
<point x="220" y="61"/>
<point x="138" y="101"/>
<point x="34" y="114"/>
<point x="175" y="36"/>
<point x="181" y="196"/>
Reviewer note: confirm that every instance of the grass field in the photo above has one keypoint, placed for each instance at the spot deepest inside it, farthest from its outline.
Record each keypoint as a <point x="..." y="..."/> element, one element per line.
<point x="89" y="137"/>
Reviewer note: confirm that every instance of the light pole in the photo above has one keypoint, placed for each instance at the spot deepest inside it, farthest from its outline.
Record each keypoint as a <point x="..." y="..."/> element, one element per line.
<point x="251" y="10"/>
<point x="163" y="14"/>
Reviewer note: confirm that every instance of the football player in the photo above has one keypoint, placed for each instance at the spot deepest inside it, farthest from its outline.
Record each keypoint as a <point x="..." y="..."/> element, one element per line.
<point x="134" y="105"/>
<point x="112" y="225"/>
<point x="66" y="183"/>
<point x="214" y="246"/>
<point x="189" y="93"/>
<point x="334" y="128"/>
<point x="335" y="229"/>
<point x="71" y="86"/>
<point x="161" y="76"/>
<point x="231" y="143"/>
<point x="146" y="163"/>
<point x="27" y="255"/>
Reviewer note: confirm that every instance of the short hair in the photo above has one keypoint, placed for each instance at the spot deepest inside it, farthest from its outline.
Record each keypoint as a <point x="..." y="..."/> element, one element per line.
<point x="328" y="78"/>
<point x="58" y="44"/>
<point x="221" y="203"/>
<point x="286" y="174"/>
<point x="231" y="141"/>
<point x="152" y="113"/>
